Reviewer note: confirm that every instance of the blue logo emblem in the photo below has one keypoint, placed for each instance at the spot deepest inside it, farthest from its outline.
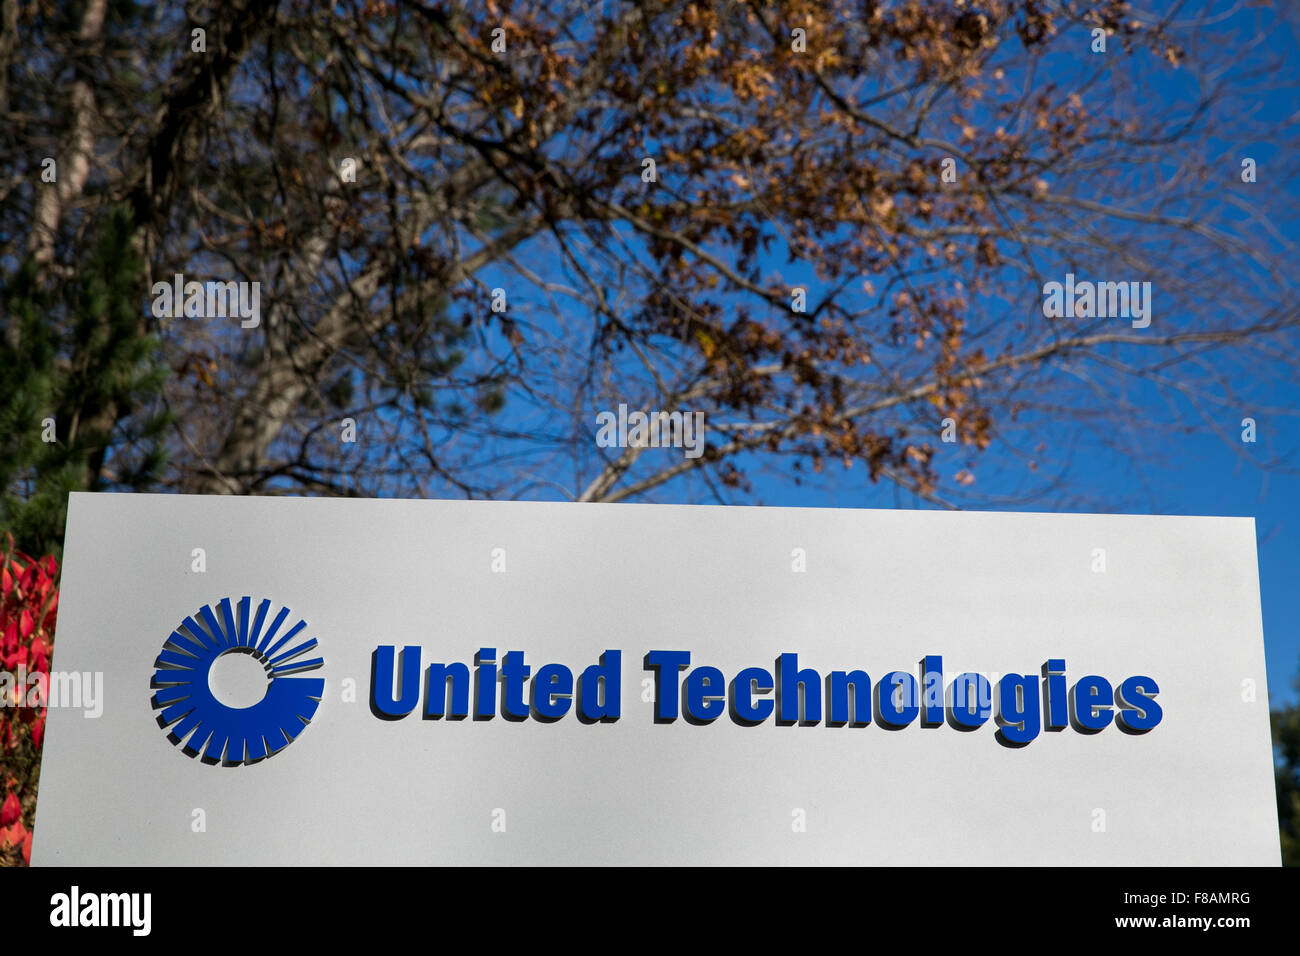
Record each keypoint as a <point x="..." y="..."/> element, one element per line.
<point x="235" y="735"/>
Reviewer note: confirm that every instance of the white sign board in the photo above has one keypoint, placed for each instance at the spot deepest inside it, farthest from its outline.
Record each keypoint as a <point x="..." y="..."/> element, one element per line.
<point x="327" y="681"/>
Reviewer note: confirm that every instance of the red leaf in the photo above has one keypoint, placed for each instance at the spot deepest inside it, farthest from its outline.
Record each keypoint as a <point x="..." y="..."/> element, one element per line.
<point x="26" y="625"/>
<point x="10" y="811"/>
<point x="14" y="834"/>
<point x="27" y="849"/>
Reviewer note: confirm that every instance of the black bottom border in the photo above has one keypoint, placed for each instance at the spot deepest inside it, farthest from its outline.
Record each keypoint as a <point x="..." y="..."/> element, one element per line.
<point x="333" y="905"/>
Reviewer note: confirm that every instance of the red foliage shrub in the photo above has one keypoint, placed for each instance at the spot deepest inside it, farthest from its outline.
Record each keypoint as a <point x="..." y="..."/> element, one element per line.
<point x="29" y="601"/>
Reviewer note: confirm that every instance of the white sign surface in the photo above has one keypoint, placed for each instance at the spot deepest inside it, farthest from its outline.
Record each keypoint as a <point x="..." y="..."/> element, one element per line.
<point x="1139" y="638"/>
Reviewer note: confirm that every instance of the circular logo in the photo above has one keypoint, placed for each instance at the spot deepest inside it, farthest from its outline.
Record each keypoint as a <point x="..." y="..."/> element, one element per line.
<point x="189" y="709"/>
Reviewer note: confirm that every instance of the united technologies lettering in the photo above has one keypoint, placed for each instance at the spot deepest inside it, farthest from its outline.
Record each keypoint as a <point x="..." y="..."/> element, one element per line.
<point x="1020" y="705"/>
